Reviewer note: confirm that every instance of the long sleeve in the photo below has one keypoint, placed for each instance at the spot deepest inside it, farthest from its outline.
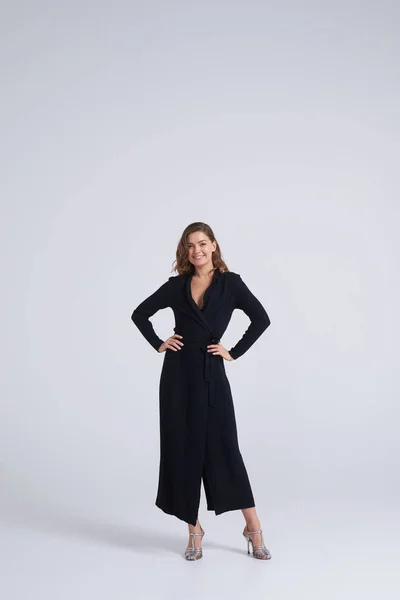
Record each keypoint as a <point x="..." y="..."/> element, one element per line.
<point x="140" y="316"/>
<point x="246" y="301"/>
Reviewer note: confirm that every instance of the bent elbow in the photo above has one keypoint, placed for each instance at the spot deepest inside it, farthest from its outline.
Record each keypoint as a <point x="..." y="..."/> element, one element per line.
<point x="265" y="322"/>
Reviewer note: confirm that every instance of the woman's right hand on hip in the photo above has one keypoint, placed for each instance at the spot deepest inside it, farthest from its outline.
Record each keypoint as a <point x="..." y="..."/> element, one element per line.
<point x="172" y="343"/>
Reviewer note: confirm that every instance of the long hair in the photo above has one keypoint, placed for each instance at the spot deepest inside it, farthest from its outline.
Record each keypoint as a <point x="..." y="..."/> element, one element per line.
<point x="183" y="266"/>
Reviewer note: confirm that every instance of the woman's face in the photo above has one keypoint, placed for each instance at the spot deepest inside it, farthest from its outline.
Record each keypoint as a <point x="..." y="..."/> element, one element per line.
<point x="200" y="248"/>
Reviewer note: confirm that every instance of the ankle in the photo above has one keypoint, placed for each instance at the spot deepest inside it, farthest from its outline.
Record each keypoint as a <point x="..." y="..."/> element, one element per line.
<point x="253" y="525"/>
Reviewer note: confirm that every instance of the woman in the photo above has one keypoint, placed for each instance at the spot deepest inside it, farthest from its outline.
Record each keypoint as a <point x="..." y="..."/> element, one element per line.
<point x="198" y="436"/>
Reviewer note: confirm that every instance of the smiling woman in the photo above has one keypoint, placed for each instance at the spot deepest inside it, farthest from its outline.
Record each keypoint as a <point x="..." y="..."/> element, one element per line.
<point x="198" y="434"/>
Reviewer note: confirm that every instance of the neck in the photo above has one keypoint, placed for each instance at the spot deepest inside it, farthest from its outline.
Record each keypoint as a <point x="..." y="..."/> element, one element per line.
<point x="204" y="270"/>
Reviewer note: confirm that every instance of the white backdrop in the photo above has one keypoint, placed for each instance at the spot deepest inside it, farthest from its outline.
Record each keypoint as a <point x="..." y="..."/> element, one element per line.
<point x="278" y="124"/>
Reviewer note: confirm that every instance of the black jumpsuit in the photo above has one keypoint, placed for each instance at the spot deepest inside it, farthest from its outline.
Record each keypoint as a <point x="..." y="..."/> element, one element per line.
<point x="198" y="435"/>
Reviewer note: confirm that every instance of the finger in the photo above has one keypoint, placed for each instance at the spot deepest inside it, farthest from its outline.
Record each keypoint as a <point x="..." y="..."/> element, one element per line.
<point x="170" y="346"/>
<point x="175" y="343"/>
<point x="177" y="335"/>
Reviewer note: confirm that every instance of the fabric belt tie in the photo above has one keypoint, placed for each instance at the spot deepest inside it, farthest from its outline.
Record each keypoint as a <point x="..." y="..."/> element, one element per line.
<point x="208" y="370"/>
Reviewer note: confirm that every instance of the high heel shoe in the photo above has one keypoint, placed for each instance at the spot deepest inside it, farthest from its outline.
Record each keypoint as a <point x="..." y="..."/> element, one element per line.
<point x="258" y="551"/>
<point x="192" y="553"/>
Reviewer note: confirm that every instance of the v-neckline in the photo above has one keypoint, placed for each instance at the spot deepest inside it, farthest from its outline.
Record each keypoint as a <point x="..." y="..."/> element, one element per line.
<point x="205" y="291"/>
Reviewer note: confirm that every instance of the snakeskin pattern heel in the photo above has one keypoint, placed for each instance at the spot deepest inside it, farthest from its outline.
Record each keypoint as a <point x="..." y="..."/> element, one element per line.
<point x="192" y="553"/>
<point x="257" y="551"/>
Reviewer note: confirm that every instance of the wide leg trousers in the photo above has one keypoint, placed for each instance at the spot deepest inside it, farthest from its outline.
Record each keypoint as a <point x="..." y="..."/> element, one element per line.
<point x="224" y="475"/>
<point x="199" y="440"/>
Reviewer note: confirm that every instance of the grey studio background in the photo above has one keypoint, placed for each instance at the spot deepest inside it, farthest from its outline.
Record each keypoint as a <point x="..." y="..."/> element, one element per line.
<point x="277" y="123"/>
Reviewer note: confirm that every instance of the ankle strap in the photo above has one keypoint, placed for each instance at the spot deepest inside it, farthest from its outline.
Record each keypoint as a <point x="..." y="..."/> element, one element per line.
<point x="251" y="532"/>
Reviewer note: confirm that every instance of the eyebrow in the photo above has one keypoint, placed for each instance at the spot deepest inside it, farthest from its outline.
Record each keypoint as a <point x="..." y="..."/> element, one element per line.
<point x="199" y="241"/>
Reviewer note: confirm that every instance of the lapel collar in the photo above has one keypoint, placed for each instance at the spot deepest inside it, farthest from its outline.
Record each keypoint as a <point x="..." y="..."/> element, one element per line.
<point x="201" y="317"/>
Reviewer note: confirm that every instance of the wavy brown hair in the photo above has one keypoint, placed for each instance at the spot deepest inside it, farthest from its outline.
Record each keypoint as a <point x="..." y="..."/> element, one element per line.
<point x="183" y="266"/>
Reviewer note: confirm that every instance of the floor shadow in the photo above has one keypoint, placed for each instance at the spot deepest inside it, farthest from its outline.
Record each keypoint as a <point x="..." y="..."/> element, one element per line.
<point x="138" y="539"/>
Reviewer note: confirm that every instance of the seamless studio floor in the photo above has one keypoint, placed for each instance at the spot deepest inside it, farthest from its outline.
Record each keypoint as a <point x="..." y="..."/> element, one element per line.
<point x="330" y="551"/>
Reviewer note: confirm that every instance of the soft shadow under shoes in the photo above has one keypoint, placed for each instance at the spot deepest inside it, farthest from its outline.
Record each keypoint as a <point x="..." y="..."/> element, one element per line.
<point x="192" y="553"/>
<point x="257" y="551"/>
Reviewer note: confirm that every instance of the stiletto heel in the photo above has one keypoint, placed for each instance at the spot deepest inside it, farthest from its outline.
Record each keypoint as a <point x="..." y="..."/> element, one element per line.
<point x="258" y="551"/>
<point x="248" y="546"/>
<point x="192" y="553"/>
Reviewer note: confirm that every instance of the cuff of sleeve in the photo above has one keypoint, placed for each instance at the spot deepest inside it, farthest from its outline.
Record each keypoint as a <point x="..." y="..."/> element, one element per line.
<point x="234" y="354"/>
<point x="157" y="344"/>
